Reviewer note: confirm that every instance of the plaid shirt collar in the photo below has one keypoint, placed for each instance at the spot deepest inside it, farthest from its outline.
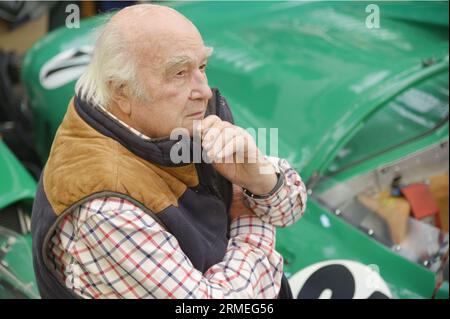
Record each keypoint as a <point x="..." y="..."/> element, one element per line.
<point x="122" y="123"/>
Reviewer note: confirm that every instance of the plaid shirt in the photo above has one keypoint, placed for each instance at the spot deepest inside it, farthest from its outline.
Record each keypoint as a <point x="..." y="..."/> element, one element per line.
<point x="109" y="248"/>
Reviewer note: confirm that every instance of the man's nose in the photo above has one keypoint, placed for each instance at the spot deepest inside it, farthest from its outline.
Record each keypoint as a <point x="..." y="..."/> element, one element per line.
<point x="200" y="89"/>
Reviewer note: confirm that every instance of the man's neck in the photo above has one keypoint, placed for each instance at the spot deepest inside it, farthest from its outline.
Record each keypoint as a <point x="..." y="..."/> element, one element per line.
<point x="124" y="120"/>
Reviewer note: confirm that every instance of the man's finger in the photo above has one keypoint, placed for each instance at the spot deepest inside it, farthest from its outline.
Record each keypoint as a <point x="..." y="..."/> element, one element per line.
<point x="208" y="122"/>
<point x="234" y="142"/>
<point x="214" y="133"/>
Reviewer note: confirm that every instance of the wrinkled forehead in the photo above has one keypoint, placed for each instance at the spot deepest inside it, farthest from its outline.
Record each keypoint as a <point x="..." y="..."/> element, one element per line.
<point x="157" y="35"/>
<point x="195" y="55"/>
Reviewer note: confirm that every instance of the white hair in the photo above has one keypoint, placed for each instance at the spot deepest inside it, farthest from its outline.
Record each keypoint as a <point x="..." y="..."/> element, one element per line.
<point x="112" y="66"/>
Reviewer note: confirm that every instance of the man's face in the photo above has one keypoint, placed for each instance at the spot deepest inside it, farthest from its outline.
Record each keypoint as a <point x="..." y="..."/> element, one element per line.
<point x="172" y="70"/>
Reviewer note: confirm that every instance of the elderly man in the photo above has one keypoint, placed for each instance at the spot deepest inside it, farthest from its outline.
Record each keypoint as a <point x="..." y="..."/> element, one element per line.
<point x="116" y="217"/>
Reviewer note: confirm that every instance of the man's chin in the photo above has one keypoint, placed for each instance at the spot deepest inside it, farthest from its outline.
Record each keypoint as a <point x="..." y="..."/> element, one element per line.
<point x="193" y="125"/>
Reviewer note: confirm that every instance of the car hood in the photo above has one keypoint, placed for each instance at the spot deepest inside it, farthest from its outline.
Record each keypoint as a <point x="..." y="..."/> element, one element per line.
<point x="315" y="70"/>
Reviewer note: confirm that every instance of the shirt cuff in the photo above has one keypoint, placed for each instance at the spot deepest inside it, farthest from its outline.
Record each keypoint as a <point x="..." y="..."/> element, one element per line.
<point x="253" y="227"/>
<point x="276" y="195"/>
<point x="285" y="206"/>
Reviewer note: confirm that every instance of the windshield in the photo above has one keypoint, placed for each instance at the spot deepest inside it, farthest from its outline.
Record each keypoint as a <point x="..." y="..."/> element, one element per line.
<point x="411" y="114"/>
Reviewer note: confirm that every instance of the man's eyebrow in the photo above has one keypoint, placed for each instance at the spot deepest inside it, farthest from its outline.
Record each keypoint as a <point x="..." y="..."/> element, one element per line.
<point x="177" y="62"/>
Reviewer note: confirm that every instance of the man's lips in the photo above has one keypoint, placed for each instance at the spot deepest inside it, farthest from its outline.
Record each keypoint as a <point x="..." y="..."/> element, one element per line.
<point x="196" y="114"/>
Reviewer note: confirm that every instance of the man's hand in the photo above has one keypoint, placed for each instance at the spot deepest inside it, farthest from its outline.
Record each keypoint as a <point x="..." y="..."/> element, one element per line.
<point x="235" y="156"/>
<point x="238" y="207"/>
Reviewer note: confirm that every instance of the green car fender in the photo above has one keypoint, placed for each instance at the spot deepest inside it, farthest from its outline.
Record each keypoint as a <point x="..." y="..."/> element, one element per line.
<point x="17" y="190"/>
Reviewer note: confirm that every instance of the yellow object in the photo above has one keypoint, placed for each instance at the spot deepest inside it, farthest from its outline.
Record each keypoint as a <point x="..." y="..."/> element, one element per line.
<point x="394" y="210"/>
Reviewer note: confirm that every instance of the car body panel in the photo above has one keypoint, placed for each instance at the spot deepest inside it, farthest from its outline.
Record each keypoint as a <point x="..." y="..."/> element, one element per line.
<point x="16" y="183"/>
<point x="263" y="66"/>
<point x="323" y="236"/>
<point x="16" y="267"/>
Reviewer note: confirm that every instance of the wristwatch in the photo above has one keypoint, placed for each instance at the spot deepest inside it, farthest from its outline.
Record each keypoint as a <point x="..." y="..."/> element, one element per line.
<point x="278" y="185"/>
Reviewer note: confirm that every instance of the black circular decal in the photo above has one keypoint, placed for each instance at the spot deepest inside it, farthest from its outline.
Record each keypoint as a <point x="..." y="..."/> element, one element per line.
<point x="336" y="278"/>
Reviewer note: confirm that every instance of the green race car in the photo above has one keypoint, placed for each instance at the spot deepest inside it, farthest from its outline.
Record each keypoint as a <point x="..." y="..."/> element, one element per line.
<point x="359" y="109"/>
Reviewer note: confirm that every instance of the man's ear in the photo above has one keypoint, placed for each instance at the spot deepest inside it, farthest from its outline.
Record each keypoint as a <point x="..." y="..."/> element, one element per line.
<point x="121" y="97"/>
